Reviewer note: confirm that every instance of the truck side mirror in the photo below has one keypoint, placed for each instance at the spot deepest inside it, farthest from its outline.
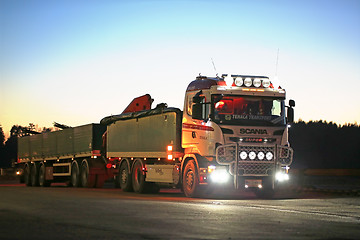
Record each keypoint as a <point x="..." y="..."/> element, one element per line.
<point x="291" y="103"/>
<point x="290" y="114"/>
<point x="197" y="111"/>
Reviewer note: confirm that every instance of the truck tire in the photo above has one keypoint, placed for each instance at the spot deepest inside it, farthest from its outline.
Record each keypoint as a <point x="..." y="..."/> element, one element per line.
<point x="125" y="177"/>
<point x="27" y="174"/>
<point x="75" y="174"/>
<point x="42" y="176"/>
<point x="87" y="180"/>
<point x="35" y="174"/>
<point x="190" y="180"/>
<point x="138" y="177"/>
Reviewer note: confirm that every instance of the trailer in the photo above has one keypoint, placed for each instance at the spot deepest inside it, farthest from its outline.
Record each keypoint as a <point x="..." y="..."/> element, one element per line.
<point x="61" y="156"/>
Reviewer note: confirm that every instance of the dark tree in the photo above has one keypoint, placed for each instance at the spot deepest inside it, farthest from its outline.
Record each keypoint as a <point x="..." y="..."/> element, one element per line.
<point x="2" y="147"/>
<point x="325" y="145"/>
<point x="2" y="136"/>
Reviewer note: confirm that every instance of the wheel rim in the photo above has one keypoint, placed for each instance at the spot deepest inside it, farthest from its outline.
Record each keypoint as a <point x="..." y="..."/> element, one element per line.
<point x="190" y="178"/>
<point x="124" y="176"/>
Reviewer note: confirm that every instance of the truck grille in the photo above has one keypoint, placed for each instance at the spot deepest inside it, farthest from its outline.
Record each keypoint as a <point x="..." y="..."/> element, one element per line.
<point x="226" y="154"/>
<point x="252" y="169"/>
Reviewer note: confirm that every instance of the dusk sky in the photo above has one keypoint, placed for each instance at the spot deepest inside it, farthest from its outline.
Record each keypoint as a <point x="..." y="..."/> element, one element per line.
<point x="75" y="62"/>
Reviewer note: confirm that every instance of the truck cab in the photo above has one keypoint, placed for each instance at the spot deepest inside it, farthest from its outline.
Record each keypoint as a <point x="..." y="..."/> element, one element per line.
<point x="235" y="135"/>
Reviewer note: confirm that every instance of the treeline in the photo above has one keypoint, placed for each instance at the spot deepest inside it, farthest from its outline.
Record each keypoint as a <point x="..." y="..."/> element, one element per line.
<point x="321" y="144"/>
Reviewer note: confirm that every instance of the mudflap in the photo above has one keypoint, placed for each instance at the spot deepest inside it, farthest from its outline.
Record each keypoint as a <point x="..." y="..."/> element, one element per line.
<point x="98" y="173"/>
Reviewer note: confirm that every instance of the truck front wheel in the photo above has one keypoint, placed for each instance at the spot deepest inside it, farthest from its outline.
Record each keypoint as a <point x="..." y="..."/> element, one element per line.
<point x="190" y="180"/>
<point x="125" y="177"/>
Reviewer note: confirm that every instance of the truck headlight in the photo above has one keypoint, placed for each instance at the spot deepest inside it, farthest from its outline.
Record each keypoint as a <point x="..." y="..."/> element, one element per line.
<point x="280" y="176"/>
<point x="220" y="176"/>
<point x="247" y="82"/>
<point x="266" y="83"/>
<point x="269" y="156"/>
<point x="261" y="155"/>
<point x="257" y="82"/>
<point x="243" y="155"/>
<point x="252" y="155"/>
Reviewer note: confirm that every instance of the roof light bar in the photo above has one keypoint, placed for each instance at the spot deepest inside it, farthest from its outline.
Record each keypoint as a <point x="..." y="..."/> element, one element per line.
<point x="250" y="81"/>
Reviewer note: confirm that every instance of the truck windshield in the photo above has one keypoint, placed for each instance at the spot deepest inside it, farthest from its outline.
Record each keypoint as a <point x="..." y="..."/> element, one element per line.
<point x="248" y="110"/>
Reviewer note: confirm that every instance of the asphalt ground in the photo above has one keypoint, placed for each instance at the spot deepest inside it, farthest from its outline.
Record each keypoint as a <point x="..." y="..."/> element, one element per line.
<point x="61" y="212"/>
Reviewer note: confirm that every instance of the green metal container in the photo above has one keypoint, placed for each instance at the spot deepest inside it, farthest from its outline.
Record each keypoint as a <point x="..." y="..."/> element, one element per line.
<point x="49" y="144"/>
<point x="146" y="136"/>
<point x="24" y="148"/>
<point x="36" y="146"/>
<point x="68" y="143"/>
<point x="65" y="142"/>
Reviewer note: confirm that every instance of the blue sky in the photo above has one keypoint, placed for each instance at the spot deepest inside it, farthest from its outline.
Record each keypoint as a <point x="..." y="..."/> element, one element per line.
<point x="75" y="62"/>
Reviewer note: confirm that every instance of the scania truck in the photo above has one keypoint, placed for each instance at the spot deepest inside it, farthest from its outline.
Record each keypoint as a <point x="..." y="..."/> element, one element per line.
<point x="230" y="133"/>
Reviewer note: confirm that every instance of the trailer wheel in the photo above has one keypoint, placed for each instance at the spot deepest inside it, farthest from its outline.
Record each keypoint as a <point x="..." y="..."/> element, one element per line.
<point x="75" y="174"/>
<point x="87" y="180"/>
<point x="138" y="177"/>
<point x="27" y="175"/>
<point x="125" y="177"/>
<point x="190" y="181"/>
<point x="35" y="174"/>
<point x="42" y="176"/>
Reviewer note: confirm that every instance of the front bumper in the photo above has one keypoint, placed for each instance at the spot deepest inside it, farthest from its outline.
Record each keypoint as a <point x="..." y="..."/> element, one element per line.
<point x="254" y="160"/>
